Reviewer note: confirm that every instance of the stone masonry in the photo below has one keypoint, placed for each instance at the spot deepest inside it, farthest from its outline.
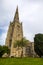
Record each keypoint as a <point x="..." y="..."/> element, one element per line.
<point x="15" y="33"/>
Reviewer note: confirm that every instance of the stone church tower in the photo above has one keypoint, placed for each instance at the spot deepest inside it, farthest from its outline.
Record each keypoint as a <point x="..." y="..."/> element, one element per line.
<point x="15" y="32"/>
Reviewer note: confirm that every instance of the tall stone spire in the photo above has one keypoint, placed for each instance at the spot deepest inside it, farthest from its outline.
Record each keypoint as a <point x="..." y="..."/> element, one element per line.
<point x="16" y="17"/>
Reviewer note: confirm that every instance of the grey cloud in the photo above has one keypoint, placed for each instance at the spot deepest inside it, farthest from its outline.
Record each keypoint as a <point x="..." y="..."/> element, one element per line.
<point x="30" y="12"/>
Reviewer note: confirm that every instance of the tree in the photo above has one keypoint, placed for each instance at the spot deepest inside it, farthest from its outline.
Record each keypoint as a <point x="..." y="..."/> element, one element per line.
<point x="21" y="43"/>
<point x="38" y="44"/>
<point x="1" y="51"/>
<point x="4" y="49"/>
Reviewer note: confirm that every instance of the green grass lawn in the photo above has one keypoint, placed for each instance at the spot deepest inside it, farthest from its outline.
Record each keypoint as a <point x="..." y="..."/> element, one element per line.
<point x="21" y="61"/>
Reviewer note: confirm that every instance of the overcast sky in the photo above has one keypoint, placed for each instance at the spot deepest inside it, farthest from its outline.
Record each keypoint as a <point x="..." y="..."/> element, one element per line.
<point x="30" y="14"/>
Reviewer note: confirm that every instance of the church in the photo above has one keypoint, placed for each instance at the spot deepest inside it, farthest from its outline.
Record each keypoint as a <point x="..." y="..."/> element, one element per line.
<point x="15" y="33"/>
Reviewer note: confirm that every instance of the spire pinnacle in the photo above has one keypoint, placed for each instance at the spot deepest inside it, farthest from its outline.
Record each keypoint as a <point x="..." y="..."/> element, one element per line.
<point x="16" y="18"/>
